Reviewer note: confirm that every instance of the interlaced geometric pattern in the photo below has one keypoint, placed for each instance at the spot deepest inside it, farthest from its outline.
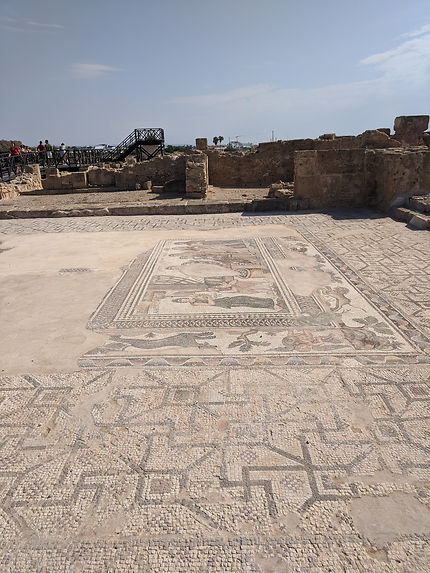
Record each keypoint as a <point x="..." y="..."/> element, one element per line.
<point x="297" y="445"/>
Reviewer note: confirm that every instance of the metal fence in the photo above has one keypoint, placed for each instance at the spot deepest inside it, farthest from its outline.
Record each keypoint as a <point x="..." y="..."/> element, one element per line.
<point x="10" y="166"/>
<point x="145" y="143"/>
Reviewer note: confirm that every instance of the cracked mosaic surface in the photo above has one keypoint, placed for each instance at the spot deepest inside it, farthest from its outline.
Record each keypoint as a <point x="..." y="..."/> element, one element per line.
<point x="295" y="456"/>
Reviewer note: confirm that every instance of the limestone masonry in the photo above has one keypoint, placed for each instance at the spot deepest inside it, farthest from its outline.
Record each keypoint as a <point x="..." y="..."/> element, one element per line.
<point x="375" y="168"/>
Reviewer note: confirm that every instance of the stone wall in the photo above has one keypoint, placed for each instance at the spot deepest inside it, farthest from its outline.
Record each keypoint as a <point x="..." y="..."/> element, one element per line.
<point x="394" y="175"/>
<point x="331" y="178"/>
<point x="59" y="180"/>
<point x="271" y="162"/>
<point x="359" y="177"/>
<point x="274" y="161"/>
<point x="159" y="170"/>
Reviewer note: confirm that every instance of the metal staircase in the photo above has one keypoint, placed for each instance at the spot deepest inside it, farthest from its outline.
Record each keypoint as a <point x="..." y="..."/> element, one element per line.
<point x="147" y="142"/>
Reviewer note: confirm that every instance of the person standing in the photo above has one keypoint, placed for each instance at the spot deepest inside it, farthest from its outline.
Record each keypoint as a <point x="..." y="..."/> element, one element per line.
<point x="63" y="150"/>
<point x="42" y="152"/>
<point x="15" y="155"/>
<point x="48" y="148"/>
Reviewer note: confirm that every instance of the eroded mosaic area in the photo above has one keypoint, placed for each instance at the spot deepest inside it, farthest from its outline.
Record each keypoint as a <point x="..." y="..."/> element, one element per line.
<point x="267" y="298"/>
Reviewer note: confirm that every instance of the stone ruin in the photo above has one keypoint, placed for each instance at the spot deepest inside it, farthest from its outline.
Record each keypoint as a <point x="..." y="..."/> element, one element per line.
<point x="410" y="129"/>
<point x="375" y="168"/>
<point x="29" y="180"/>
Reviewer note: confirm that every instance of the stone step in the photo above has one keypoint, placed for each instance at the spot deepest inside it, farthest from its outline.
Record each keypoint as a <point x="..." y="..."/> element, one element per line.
<point x="420" y="203"/>
<point x="164" y="208"/>
<point x="412" y="217"/>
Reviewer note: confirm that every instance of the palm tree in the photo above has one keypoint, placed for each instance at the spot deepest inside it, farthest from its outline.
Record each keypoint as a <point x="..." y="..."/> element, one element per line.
<point x="220" y="138"/>
<point x="215" y="140"/>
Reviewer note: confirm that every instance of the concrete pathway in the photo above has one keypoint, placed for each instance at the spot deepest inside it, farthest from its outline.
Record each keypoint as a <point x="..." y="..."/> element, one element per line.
<point x="219" y="393"/>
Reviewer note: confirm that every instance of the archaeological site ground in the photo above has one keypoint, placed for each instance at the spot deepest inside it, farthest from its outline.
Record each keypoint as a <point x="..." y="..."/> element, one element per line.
<point x="219" y="361"/>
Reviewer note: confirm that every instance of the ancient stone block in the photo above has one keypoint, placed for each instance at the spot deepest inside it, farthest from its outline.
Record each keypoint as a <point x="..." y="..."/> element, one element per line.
<point x="377" y="139"/>
<point x="281" y="189"/>
<point x="101" y="177"/>
<point x="65" y="181"/>
<point x="196" y="174"/>
<point x="420" y="221"/>
<point x="52" y="171"/>
<point x="33" y="168"/>
<point x="125" y="179"/>
<point x="78" y="180"/>
<point x="51" y="182"/>
<point x="174" y="186"/>
<point x="410" y="128"/>
<point x="201" y="143"/>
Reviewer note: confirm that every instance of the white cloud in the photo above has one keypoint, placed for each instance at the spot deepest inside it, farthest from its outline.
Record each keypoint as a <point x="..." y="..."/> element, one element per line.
<point x="90" y="71"/>
<point x="44" y="25"/>
<point x="403" y="82"/>
<point x="423" y="30"/>
<point x="15" y="25"/>
<point x="409" y="61"/>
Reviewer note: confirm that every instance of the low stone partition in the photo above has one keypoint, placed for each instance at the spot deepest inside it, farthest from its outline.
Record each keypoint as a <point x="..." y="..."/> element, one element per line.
<point x="159" y="170"/>
<point x="58" y="180"/>
<point x="331" y="178"/>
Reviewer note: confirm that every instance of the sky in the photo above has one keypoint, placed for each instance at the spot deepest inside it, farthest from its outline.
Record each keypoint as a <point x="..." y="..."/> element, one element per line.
<point x="90" y="71"/>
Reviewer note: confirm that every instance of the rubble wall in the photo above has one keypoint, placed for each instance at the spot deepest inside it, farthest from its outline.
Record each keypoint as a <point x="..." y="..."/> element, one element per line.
<point x="271" y="162"/>
<point x="159" y="170"/>
<point x="28" y="181"/>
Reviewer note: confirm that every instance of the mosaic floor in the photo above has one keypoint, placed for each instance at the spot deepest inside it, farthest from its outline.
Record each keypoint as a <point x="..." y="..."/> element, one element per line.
<point x="226" y="394"/>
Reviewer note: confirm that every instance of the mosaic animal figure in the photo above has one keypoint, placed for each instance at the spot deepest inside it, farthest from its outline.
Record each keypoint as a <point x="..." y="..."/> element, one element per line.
<point x="333" y="299"/>
<point x="184" y="339"/>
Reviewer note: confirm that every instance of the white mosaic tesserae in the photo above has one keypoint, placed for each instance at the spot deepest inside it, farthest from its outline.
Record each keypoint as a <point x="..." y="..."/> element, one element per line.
<point x="219" y="393"/>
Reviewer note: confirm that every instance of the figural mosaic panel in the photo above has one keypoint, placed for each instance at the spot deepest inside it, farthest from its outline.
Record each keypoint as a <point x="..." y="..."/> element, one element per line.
<point x="270" y="300"/>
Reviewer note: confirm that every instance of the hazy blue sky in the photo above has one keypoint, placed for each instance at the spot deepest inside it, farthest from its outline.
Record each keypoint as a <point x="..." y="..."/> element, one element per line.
<point x="89" y="71"/>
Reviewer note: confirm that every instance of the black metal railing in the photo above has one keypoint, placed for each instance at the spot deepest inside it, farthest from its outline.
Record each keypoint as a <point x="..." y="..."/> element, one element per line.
<point x="140" y="139"/>
<point x="146" y="142"/>
<point x="10" y="166"/>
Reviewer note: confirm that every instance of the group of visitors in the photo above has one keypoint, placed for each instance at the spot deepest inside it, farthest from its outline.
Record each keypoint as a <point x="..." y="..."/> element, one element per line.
<point x="44" y="151"/>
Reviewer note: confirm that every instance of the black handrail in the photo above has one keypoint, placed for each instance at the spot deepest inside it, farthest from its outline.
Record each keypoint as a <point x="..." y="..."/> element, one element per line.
<point x="140" y="137"/>
<point x="139" y="140"/>
<point x="10" y="166"/>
